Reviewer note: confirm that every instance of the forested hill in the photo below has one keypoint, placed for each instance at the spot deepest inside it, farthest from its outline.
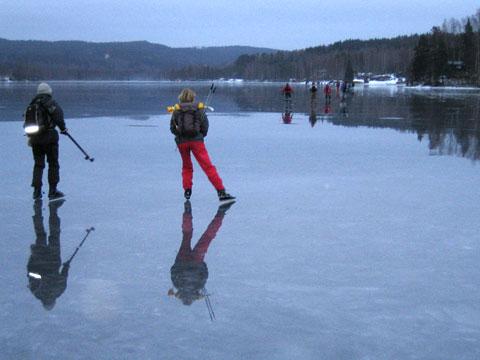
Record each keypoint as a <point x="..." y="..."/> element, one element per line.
<point x="116" y="60"/>
<point x="377" y="56"/>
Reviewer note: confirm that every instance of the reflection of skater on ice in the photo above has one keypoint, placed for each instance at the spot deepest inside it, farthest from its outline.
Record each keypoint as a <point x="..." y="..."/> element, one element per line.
<point x="46" y="281"/>
<point x="189" y="273"/>
<point x="327" y="109"/>
<point x="343" y="106"/>
<point x="312" y="118"/>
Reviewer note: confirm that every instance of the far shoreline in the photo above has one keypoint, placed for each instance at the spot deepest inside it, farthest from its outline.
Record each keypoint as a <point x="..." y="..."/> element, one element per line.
<point x="235" y="82"/>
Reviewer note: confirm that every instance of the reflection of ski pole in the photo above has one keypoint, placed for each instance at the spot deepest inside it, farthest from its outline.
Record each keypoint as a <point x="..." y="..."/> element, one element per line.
<point x="209" y="305"/>
<point x="87" y="157"/>
<point x="80" y="245"/>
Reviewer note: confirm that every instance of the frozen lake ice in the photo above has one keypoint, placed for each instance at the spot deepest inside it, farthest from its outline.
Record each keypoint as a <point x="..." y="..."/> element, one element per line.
<point x="349" y="239"/>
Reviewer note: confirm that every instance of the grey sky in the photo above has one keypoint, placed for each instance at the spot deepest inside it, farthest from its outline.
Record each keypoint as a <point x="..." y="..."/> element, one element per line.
<point x="289" y="24"/>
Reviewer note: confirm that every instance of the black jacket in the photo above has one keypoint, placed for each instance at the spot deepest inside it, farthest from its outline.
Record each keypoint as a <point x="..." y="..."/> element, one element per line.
<point x="55" y="112"/>
<point x="200" y="114"/>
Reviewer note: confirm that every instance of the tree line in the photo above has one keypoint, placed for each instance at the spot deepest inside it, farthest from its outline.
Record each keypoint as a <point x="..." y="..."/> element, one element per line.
<point x="449" y="54"/>
<point x="316" y="63"/>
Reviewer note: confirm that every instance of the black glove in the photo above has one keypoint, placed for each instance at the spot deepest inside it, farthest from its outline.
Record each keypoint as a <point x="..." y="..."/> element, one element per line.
<point x="64" y="131"/>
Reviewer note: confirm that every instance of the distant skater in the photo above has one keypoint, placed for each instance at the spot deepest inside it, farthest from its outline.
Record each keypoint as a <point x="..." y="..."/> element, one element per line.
<point x="189" y="124"/>
<point x="313" y="99"/>
<point x="287" y="91"/>
<point x="327" y="90"/>
<point x="44" y="141"/>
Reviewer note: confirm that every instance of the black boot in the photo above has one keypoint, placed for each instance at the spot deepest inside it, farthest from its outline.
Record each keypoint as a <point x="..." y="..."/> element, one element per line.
<point x="187" y="193"/>
<point x="223" y="196"/>
<point x="54" y="194"/>
<point x="37" y="193"/>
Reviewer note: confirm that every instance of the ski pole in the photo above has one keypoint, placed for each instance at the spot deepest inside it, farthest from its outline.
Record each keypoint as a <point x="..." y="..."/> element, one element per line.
<point x="80" y="245"/>
<point x="87" y="157"/>
<point x="210" y="94"/>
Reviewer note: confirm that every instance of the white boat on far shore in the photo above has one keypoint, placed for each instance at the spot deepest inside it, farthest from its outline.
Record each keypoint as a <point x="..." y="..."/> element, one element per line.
<point x="359" y="81"/>
<point x="386" y="79"/>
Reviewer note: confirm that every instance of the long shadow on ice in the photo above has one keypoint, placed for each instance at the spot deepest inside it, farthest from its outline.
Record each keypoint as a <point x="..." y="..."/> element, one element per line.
<point x="189" y="273"/>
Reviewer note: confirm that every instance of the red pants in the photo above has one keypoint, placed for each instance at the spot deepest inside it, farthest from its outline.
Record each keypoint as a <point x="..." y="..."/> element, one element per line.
<point x="200" y="152"/>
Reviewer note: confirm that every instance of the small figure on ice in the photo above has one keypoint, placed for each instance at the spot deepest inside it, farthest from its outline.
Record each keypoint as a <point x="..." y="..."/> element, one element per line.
<point x="287" y="115"/>
<point x="287" y="91"/>
<point x="189" y="124"/>
<point x="327" y="90"/>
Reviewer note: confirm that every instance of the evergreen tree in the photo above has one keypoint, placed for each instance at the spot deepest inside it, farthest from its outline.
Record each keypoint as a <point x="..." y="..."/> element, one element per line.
<point x="438" y="55"/>
<point x="421" y="59"/>
<point x="348" y="72"/>
<point x="469" y="53"/>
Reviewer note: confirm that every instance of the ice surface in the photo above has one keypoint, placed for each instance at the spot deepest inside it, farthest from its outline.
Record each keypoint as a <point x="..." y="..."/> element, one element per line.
<point x="345" y="243"/>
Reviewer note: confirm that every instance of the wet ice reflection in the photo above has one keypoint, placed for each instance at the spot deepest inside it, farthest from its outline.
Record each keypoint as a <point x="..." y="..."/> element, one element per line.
<point x="189" y="273"/>
<point x="347" y="242"/>
<point x="47" y="274"/>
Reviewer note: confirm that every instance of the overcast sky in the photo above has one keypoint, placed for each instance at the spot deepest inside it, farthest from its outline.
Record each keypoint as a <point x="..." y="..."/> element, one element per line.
<point x="287" y="24"/>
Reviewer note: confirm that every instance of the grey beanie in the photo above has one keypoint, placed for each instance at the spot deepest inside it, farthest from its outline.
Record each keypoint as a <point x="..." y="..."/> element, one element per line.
<point x="44" y="88"/>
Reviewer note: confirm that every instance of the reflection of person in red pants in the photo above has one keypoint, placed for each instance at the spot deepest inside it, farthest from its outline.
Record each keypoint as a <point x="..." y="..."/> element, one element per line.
<point x="189" y="124"/>
<point x="189" y="273"/>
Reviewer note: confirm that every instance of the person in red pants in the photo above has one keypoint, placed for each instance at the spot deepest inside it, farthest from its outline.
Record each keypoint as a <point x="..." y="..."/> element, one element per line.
<point x="189" y="124"/>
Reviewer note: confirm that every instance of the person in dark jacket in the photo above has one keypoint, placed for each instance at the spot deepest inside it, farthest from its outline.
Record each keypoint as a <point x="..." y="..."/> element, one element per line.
<point x="193" y="142"/>
<point x="189" y="273"/>
<point x="45" y="144"/>
<point x="46" y="281"/>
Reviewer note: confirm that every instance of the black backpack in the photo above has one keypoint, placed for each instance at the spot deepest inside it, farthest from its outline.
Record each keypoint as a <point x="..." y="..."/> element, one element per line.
<point x="36" y="118"/>
<point x="188" y="122"/>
